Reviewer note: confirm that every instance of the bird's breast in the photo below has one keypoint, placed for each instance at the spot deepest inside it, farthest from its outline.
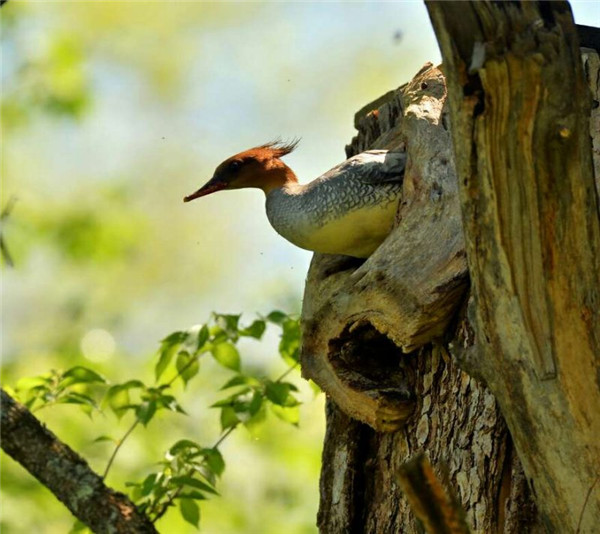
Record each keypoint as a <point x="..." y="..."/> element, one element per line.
<point x="353" y="220"/>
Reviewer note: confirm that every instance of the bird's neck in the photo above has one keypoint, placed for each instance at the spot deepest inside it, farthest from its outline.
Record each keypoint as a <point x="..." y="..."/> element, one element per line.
<point x="278" y="176"/>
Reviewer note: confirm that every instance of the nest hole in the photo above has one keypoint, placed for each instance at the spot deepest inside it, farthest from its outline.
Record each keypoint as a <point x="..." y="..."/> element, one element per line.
<point x="366" y="359"/>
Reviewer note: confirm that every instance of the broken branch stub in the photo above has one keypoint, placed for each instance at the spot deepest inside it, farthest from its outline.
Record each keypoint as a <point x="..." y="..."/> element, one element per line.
<point x="360" y="320"/>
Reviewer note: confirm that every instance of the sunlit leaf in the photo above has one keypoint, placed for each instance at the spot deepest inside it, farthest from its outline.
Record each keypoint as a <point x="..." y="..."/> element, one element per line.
<point x="202" y="337"/>
<point x="227" y="355"/>
<point x="228" y="417"/>
<point x="118" y="400"/>
<point x="287" y="414"/>
<point x="79" y="375"/>
<point x="29" y="382"/>
<point x="187" y="366"/>
<point x="164" y="359"/>
<point x="240" y="380"/>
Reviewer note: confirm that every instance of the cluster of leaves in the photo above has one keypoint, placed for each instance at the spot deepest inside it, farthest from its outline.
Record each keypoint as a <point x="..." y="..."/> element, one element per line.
<point x="69" y="387"/>
<point x="189" y="471"/>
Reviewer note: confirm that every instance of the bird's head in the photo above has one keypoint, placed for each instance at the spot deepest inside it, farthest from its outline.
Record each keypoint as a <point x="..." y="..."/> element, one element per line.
<point x="259" y="167"/>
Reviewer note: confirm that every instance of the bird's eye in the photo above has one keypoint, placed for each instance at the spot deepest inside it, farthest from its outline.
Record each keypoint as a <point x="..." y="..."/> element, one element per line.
<point x="235" y="165"/>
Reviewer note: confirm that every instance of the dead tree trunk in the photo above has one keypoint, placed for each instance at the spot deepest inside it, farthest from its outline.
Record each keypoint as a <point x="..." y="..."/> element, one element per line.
<point x="377" y="336"/>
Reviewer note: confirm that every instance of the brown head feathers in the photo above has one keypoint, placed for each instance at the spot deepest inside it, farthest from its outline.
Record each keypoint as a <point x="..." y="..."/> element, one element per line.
<point x="258" y="167"/>
<point x="278" y="148"/>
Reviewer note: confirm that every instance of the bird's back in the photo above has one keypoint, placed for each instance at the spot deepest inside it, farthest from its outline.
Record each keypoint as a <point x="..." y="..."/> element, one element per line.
<point x="348" y="210"/>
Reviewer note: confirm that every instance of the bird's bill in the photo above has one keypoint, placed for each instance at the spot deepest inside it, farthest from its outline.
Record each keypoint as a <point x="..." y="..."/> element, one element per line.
<point x="210" y="187"/>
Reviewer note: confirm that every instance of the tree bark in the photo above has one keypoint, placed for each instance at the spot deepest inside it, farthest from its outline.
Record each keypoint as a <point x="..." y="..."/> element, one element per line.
<point x="528" y="329"/>
<point x="66" y="474"/>
<point x="520" y="109"/>
<point x="448" y="415"/>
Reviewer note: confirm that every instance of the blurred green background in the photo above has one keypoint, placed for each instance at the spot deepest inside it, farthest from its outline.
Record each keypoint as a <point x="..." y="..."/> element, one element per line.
<point x="111" y="113"/>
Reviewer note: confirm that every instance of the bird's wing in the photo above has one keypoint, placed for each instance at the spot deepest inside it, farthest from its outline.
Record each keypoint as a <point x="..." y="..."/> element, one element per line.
<point x="371" y="167"/>
<point x="378" y="166"/>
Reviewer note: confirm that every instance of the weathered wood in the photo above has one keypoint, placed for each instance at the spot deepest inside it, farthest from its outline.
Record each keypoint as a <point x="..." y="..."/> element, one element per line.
<point x="520" y="108"/>
<point x="410" y="288"/>
<point x="454" y="418"/>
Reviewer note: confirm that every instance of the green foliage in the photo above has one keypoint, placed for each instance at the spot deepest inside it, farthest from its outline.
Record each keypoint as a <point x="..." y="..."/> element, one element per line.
<point x="73" y="386"/>
<point x="189" y="471"/>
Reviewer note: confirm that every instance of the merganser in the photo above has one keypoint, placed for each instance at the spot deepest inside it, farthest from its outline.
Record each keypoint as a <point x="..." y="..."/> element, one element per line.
<point x="348" y="210"/>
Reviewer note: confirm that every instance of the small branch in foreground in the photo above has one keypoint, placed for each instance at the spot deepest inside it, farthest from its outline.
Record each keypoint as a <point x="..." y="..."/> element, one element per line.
<point x="66" y="474"/>
<point x="118" y="446"/>
<point x="433" y="504"/>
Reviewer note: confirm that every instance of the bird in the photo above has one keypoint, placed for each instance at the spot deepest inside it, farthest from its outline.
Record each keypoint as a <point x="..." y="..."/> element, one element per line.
<point x="349" y="210"/>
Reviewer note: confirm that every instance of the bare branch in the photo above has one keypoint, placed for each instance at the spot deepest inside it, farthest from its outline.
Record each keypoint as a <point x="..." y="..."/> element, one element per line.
<point x="66" y="474"/>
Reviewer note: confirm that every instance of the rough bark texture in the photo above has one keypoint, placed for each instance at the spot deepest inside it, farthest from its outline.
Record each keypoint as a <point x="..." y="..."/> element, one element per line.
<point x="411" y="287"/>
<point x="520" y="112"/>
<point x="445" y="413"/>
<point x="66" y="474"/>
<point x="532" y="239"/>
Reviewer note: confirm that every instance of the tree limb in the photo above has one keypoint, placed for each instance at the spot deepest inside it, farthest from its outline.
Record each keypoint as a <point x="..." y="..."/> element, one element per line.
<point x="66" y="474"/>
<point x="520" y="111"/>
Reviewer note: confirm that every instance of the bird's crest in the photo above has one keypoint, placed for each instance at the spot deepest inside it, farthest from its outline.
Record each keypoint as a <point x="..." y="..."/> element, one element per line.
<point x="278" y="148"/>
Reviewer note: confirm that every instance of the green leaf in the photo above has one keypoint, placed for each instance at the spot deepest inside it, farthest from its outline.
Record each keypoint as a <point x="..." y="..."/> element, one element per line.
<point x="182" y="445"/>
<point x="255" y="330"/>
<point x="278" y="392"/>
<point x="227" y="355"/>
<point x="170" y="403"/>
<point x="277" y="317"/>
<point x="80" y="375"/>
<point x="240" y="380"/>
<point x="214" y="461"/>
<point x="187" y="366"/>
<point x="196" y="495"/>
<point x="104" y="438"/>
<point x="228" y="417"/>
<point x="228" y="323"/>
<point x="175" y="338"/>
<point x="190" y="511"/>
<point x="202" y="337"/>
<point x="164" y="359"/>
<point x="145" y="411"/>
<point x="73" y="397"/>
<point x="287" y="414"/>
<point x="255" y="403"/>
<point x="148" y="484"/>
<point x="168" y="347"/>
<point x="132" y="384"/>
<point x="118" y="400"/>
<point x="193" y="483"/>
<point x="31" y="382"/>
<point x="289" y="346"/>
